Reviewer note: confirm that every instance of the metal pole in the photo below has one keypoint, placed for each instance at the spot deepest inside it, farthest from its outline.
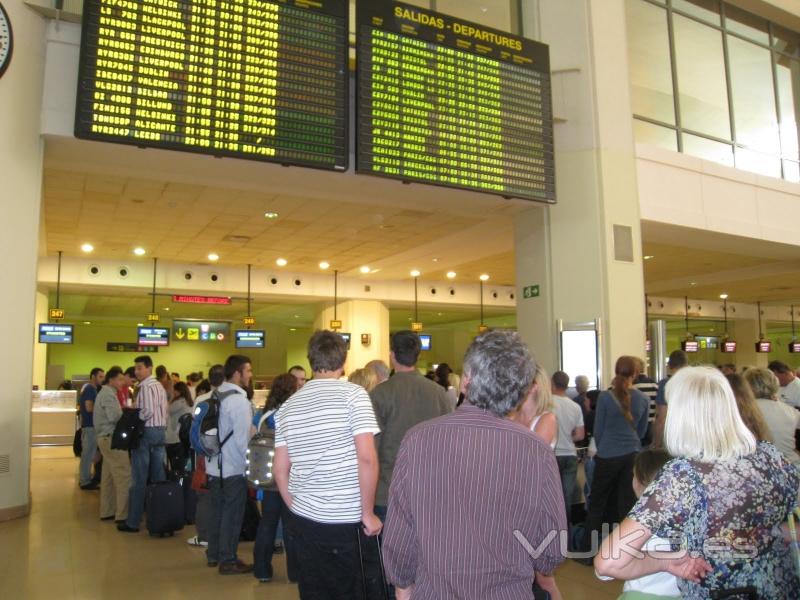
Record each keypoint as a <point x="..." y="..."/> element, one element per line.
<point x="686" y="312"/>
<point x="58" y="281"/>
<point x="249" y="267"/>
<point x="760" y="331"/>
<point x="335" y="292"/>
<point x="155" y="268"/>
<point x="416" y="308"/>
<point x="481" y="282"/>
<point x="658" y="340"/>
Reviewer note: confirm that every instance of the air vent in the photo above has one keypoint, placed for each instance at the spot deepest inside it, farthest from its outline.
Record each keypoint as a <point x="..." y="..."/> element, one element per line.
<point x="5" y="464"/>
<point x="237" y="239"/>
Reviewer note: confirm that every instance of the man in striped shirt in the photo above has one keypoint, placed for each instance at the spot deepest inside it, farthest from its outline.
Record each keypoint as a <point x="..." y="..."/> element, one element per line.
<point x="475" y="503"/>
<point x="326" y="468"/>
<point x="148" y="457"/>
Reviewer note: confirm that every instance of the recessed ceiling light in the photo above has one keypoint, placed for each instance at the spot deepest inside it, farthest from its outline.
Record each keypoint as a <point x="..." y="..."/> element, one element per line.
<point x="435" y="260"/>
<point x="166" y="308"/>
<point x="324" y="265"/>
<point x="292" y="329"/>
<point x="415" y="273"/>
<point x="692" y="283"/>
<point x="649" y="256"/>
<point x="87" y="322"/>
<point x="213" y="257"/>
<point x="87" y="248"/>
<point x="723" y="296"/>
<point x="440" y="314"/>
<point x="484" y="277"/>
<point x="281" y="262"/>
<point x="365" y="269"/>
<point x="140" y="324"/>
<point x="139" y="251"/>
<point x="451" y="274"/>
<point x="271" y="215"/>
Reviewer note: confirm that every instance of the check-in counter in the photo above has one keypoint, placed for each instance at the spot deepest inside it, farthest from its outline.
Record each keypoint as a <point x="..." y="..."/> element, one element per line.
<point x="53" y="417"/>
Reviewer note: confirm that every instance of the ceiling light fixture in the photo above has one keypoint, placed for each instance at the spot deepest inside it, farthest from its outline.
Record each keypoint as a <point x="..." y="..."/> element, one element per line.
<point x="451" y="274"/>
<point x="484" y="277"/>
<point x="649" y="256"/>
<point x="166" y="308"/>
<point x="213" y="257"/>
<point x="324" y="265"/>
<point x="271" y="215"/>
<point x="139" y="251"/>
<point x="87" y="248"/>
<point x="415" y="273"/>
<point x="140" y="324"/>
<point x="87" y="322"/>
<point x="365" y="270"/>
<point x="723" y="296"/>
<point x="281" y="262"/>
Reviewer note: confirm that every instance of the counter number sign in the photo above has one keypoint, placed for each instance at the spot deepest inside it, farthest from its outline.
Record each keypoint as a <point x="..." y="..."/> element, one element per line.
<point x="56" y="314"/>
<point x="153" y="317"/>
<point x="249" y="321"/>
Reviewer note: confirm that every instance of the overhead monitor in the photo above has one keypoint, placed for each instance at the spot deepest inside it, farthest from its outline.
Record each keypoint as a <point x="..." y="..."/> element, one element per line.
<point x="794" y="347"/>
<point x="425" y="341"/>
<point x="250" y="338"/>
<point x="448" y="102"/>
<point x="153" y="336"/>
<point x="690" y="346"/>
<point x="51" y="333"/>
<point x="261" y="80"/>
<point x="346" y="337"/>
<point x="728" y="346"/>
<point x="763" y="346"/>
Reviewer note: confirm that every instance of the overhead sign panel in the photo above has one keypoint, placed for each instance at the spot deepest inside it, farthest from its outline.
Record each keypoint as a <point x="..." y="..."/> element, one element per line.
<point x="449" y="102"/>
<point x="200" y="331"/>
<point x="262" y="80"/>
<point x="249" y="338"/>
<point x="55" y="334"/>
<point x="153" y="336"/>
<point x="201" y="299"/>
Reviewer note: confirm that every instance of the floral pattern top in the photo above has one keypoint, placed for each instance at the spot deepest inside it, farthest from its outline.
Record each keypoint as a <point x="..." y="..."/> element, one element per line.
<point x="728" y="511"/>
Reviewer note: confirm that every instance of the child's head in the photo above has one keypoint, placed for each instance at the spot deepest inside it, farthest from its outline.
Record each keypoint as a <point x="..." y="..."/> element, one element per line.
<point x="646" y="467"/>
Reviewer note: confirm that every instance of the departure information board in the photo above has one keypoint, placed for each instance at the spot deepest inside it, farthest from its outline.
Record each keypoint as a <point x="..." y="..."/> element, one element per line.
<point x="452" y="103"/>
<point x="254" y="79"/>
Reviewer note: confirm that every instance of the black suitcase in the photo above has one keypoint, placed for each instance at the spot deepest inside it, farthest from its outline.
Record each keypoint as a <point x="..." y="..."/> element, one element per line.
<point x="164" y="505"/>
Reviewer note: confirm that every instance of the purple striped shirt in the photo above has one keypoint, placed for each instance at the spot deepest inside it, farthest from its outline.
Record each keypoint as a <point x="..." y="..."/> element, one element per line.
<point x="463" y="485"/>
<point x="152" y="400"/>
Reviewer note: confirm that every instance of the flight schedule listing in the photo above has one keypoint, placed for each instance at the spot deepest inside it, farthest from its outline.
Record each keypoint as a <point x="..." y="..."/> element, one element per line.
<point x="253" y="79"/>
<point x="453" y="103"/>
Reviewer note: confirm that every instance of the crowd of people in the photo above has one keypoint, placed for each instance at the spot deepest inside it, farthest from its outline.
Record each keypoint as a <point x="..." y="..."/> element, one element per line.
<point x="471" y="482"/>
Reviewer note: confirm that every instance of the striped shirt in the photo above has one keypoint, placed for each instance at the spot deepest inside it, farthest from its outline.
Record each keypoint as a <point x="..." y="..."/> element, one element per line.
<point x="317" y="425"/>
<point x="467" y="488"/>
<point x="650" y="389"/>
<point x="152" y="400"/>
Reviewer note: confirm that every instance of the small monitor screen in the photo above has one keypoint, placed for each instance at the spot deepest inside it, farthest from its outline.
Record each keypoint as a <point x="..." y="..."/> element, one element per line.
<point x="154" y="336"/>
<point x="250" y="338"/>
<point x="794" y="347"/>
<point x="763" y="346"/>
<point x="346" y="337"/>
<point x="425" y="340"/>
<point x="728" y="347"/>
<point x="690" y="346"/>
<point x="50" y="333"/>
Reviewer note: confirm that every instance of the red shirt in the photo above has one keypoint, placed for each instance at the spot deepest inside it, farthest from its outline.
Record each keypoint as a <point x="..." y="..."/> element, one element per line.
<point x="122" y="396"/>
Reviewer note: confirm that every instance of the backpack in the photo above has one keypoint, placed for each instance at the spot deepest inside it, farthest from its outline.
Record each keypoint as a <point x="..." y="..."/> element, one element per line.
<point x="128" y="430"/>
<point x="185" y="429"/>
<point x="260" y="455"/>
<point x="204" y="434"/>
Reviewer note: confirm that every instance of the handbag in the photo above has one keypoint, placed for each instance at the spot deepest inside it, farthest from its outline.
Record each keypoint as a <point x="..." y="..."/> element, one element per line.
<point x="77" y="441"/>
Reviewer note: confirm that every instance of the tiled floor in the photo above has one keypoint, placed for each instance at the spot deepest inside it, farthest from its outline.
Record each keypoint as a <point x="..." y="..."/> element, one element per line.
<point x="64" y="552"/>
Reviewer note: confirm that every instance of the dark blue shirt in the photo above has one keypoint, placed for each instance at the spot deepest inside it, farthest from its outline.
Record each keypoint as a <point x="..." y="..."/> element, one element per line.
<point x="614" y="435"/>
<point x="89" y="392"/>
<point x="661" y="397"/>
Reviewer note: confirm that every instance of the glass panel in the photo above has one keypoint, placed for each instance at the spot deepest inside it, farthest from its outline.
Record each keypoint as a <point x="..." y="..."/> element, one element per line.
<point x="785" y="40"/>
<point x="746" y="24"/>
<point x="655" y="135"/>
<point x="708" y="149"/>
<point x="495" y="14"/>
<point x="789" y="100"/>
<point x="758" y="162"/>
<point x="708" y="10"/>
<point x="753" y="96"/>
<point x="701" y="78"/>
<point x="791" y="171"/>
<point x="648" y="60"/>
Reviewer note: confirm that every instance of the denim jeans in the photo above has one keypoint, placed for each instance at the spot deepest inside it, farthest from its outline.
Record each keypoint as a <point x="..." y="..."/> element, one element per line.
<point x="89" y="449"/>
<point x="228" y="497"/>
<point x="568" y="469"/>
<point x="146" y="460"/>
<point x="273" y="511"/>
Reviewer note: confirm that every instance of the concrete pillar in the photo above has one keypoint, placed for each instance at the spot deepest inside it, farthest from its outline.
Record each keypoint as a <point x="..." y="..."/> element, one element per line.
<point x="21" y="167"/>
<point x="40" y="350"/>
<point x="585" y="252"/>
<point x="360" y="317"/>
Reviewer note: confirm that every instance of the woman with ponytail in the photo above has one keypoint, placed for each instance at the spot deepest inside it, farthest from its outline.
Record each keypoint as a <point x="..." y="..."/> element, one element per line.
<point x="620" y="425"/>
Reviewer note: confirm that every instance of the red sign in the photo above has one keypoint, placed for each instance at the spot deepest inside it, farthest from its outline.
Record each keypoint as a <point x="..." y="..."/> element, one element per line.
<point x="201" y="299"/>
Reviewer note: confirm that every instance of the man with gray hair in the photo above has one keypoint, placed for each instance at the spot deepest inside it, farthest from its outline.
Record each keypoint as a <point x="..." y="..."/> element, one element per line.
<point x="380" y="368"/>
<point x="474" y="493"/>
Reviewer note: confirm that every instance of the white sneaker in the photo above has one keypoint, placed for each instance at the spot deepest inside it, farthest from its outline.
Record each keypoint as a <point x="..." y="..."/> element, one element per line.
<point x="195" y="541"/>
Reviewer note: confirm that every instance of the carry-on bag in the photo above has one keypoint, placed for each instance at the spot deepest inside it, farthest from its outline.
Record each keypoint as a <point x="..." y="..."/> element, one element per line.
<point x="373" y="576"/>
<point x="164" y="506"/>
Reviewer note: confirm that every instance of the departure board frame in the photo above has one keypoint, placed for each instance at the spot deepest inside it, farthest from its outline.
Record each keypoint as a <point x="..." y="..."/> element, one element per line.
<point x="483" y="77"/>
<point x="213" y="82"/>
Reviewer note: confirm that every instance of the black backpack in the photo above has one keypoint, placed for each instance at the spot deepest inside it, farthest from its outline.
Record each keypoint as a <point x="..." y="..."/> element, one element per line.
<point x="128" y="431"/>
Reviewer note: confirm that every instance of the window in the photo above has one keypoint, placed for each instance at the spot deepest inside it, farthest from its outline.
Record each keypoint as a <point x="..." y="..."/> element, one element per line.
<point x="705" y="10"/>
<point x="655" y="135"/>
<point x="788" y="74"/>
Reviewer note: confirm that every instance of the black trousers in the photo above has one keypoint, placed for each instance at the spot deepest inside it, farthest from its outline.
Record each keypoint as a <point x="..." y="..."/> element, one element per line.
<point x="330" y="563"/>
<point x="273" y="510"/>
<point x="612" y="496"/>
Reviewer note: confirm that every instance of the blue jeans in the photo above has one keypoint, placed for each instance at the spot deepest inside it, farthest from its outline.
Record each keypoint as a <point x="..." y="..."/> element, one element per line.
<point x="146" y="460"/>
<point x="88" y="450"/>
<point x="568" y="469"/>
<point x="228" y="497"/>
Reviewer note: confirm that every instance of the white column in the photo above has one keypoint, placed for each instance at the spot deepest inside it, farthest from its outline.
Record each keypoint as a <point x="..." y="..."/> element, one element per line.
<point x="20" y="198"/>
<point x="569" y="249"/>
<point x="360" y="317"/>
<point x="40" y="350"/>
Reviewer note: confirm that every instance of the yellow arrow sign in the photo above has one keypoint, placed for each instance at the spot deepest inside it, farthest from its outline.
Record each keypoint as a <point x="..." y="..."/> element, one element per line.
<point x="180" y="334"/>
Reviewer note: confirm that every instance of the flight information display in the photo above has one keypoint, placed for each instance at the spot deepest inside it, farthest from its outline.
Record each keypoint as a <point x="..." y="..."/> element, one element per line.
<point x="453" y="103"/>
<point x="253" y="79"/>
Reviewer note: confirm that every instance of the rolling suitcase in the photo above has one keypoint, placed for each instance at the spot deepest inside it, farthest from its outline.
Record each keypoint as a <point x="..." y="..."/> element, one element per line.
<point x="164" y="505"/>
<point x="373" y="577"/>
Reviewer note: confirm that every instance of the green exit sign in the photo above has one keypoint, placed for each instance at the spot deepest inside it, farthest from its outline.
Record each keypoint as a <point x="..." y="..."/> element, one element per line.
<point x="530" y="291"/>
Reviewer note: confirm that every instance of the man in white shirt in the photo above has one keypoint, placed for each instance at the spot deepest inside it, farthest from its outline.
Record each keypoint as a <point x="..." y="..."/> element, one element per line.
<point x="326" y="468"/>
<point x="570" y="429"/>
<point x="226" y="471"/>
<point x="790" y="383"/>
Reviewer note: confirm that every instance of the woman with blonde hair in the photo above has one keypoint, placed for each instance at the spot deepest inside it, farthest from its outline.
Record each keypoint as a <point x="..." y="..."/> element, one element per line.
<point x="781" y="419"/>
<point x="366" y="378"/>
<point x="748" y="409"/>
<point x="721" y="500"/>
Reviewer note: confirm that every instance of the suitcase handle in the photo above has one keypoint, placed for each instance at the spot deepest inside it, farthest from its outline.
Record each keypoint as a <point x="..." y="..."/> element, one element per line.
<point x="380" y="561"/>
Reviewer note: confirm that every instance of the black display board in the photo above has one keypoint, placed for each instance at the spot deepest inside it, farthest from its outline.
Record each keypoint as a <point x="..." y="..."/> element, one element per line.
<point x="262" y="80"/>
<point x="50" y="333"/>
<point x="448" y="102"/>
